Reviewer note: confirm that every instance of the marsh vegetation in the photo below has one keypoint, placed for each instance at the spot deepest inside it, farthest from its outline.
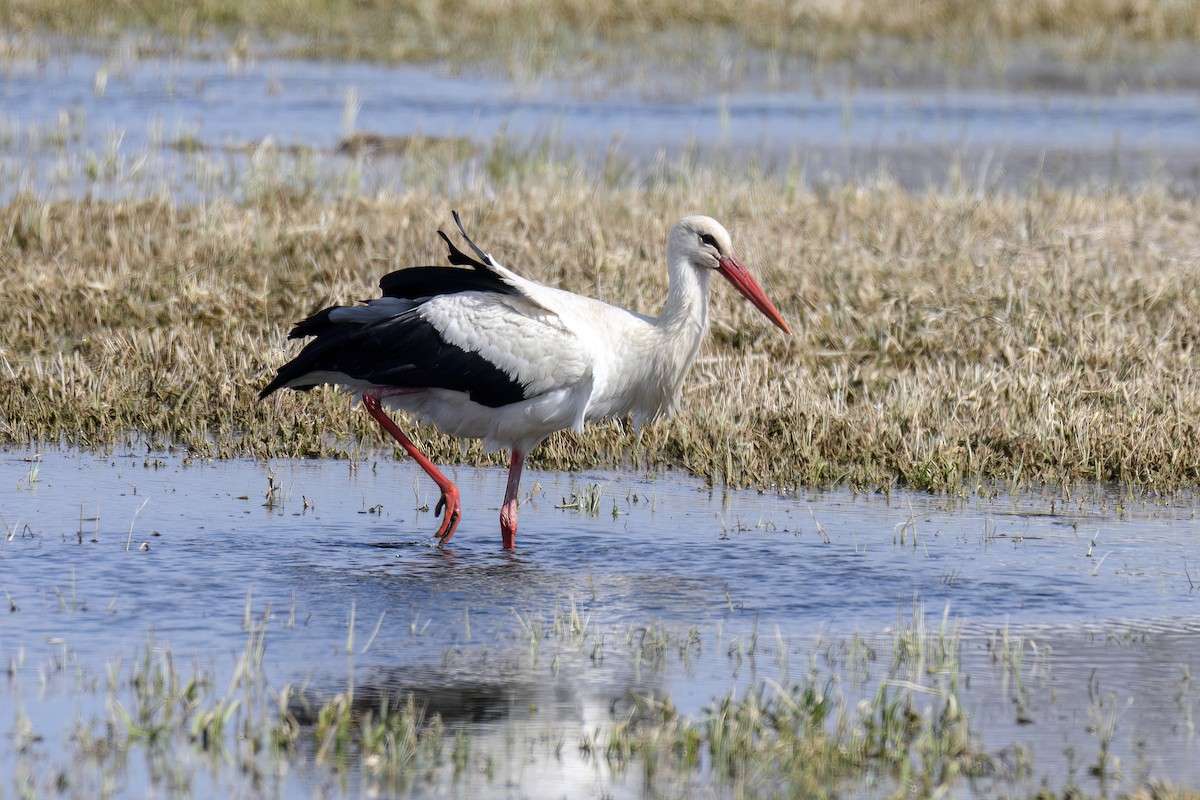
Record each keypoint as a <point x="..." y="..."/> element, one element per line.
<point x="944" y="341"/>
<point x="531" y="37"/>
<point x="972" y="339"/>
<point x="199" y="729"/>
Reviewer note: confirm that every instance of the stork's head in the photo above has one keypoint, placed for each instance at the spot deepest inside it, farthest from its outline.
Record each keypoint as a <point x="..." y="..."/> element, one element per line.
<point x="705" y="244"/>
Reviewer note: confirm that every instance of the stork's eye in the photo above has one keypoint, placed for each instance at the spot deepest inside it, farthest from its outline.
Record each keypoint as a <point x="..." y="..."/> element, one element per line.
<point x="708" y="239"/>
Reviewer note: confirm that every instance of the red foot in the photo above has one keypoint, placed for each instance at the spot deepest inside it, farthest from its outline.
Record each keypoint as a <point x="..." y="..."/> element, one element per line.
<point x="453" y="513"/>
<point x="508" y="533"/>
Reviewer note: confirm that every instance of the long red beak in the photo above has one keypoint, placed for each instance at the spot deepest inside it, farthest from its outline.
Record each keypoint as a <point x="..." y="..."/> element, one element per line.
<point x="737" y="274"/>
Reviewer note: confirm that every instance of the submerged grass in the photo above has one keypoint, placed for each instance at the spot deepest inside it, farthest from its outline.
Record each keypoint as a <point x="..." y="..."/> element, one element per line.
<point x="182" y="730"/>
<point x="946" y="340"/>
<point x="878" y="716"/>
<point x="807" y="738"/>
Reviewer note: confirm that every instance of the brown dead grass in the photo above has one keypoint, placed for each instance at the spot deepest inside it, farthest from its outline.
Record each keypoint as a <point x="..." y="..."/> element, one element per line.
<point x="942" y="340"/>
<point x="531" y="30"/>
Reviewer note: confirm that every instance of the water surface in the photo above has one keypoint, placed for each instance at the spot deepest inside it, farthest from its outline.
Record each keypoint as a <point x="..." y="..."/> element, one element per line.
<point x="108" y="126"/>
<point x="1102" y="587"/>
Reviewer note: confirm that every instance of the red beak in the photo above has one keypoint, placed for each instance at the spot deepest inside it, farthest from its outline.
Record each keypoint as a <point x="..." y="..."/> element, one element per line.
<point x="737" y="274"/>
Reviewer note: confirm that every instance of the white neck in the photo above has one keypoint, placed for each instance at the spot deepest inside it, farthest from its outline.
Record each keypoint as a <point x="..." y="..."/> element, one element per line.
<point x="653" y="363"/>
<point x="685" y="315"/>
<point x="678" y="333"/>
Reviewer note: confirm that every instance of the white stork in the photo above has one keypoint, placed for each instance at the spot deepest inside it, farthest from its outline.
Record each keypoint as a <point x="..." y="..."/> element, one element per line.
<point x="483" y="353"/>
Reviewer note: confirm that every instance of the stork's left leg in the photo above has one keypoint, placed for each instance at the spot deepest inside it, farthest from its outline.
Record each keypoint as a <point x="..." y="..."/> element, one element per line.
<point x="449" y="504"/>
<point x="508" y="511"/>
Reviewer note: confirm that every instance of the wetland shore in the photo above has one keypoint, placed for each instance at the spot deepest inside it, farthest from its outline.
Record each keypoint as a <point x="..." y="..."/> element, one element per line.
<point x="943" y="341"/>
<point x="989" y="408"/>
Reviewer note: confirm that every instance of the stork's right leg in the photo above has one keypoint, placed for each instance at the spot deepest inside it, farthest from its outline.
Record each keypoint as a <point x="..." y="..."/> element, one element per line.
<point x="449" y="503"/>
<point x="508" y="511"/>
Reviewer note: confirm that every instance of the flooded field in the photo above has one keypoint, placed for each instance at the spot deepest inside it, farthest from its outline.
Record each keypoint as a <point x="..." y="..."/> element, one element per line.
<point x="202" y="128"/>
<point x="1075" y="616"/>
<point x="247" y="628"/>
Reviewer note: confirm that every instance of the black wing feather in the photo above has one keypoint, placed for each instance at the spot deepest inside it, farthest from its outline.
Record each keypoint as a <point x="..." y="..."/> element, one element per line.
<point x="458" y="221"/>
<point x="459" y="257"/>
<point x="406" y="351"/>
<point x="417" y="284"/>
<point x="315" y="325"/>
<point x="422" y="283"/>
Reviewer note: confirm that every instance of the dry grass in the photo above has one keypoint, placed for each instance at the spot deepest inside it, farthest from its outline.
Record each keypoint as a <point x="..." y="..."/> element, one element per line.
<point x="471" y="29"/>
<point x="941" y="340"/>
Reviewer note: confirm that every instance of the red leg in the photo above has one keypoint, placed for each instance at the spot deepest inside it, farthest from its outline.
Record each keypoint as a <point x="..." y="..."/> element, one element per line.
<point x="508" y="511"/>
<point x="449" y="502"/>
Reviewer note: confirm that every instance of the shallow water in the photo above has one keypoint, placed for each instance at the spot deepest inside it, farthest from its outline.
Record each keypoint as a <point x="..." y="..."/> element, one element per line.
<point x="1102" y="589"/>
<point x="80" y="124"/>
